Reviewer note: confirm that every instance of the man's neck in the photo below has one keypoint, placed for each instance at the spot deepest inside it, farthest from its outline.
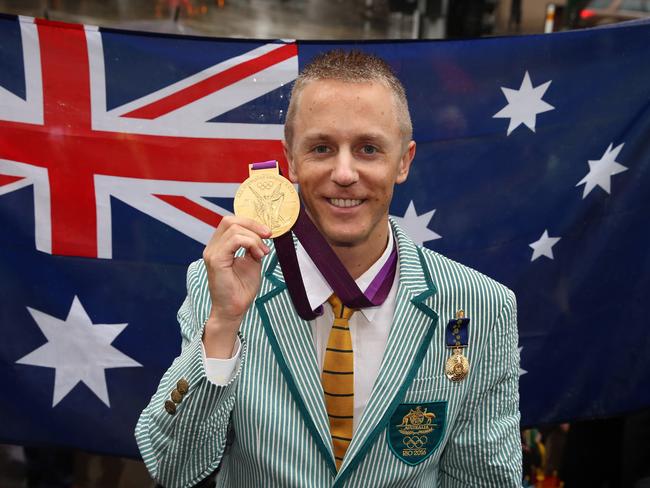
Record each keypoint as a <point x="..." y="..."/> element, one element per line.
<point x="358" y="259"/>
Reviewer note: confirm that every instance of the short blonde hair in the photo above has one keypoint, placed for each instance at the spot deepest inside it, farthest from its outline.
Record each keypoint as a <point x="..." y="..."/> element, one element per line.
<point x="350" y="67"/>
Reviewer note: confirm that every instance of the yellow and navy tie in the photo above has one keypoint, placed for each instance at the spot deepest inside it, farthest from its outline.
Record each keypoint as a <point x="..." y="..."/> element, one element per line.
<point x="338" y="379"/>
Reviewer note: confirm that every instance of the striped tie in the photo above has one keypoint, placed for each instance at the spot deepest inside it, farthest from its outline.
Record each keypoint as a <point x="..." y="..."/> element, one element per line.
<point x="338" y="379"/>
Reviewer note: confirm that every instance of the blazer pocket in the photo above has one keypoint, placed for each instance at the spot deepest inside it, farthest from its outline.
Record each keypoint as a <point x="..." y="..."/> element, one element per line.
<point x="427" y="389"/>
<point x="437" y="389"/>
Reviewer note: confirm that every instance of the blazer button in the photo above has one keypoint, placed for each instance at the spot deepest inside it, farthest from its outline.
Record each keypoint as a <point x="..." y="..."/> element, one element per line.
<point x="177" y="397"/>
<point x="182" y="386"/>
<point x="170" y="407"/>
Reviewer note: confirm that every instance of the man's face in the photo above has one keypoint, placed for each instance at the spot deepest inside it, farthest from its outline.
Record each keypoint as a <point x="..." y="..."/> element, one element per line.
<point x="347" y="153"/>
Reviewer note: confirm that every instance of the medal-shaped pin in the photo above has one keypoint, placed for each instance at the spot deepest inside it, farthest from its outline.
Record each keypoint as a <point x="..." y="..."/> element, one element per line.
<point x="268" y="197"/>
<point x="457" y="365"/>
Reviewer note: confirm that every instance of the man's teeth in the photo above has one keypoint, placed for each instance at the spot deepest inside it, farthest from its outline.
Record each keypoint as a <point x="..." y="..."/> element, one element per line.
<point x="342" y="202"/>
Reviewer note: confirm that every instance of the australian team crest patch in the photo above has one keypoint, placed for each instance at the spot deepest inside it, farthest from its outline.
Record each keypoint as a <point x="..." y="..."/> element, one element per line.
<point x="416" y="429"/>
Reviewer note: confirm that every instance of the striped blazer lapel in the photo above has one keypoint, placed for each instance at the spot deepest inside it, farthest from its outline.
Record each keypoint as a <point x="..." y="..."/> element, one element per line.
<point x="293" y="346"/>
<point x="408" y="340"/>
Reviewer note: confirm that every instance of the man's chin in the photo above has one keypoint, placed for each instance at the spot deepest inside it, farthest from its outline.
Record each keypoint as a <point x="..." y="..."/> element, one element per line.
<point x="339" y="243"/>
<point x="343" y="239"/>
<point x="340" y="234"/>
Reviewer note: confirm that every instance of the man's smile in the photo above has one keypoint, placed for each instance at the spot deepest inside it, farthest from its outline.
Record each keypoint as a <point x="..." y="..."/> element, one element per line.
<point x="344" y="202"/>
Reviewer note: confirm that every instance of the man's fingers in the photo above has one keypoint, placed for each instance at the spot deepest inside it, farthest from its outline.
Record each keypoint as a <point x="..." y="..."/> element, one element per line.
<point x="232" y="234"/>
<point x="235" y="232"/>
<point x="231" y="241"/>
<point x="233" y="221"/>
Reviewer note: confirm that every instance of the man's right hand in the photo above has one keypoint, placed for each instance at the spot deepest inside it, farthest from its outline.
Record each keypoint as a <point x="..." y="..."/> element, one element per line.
<point x="233" y="282"/>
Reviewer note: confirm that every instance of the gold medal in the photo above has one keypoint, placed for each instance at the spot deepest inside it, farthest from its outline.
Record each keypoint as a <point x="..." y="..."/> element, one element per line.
<point x="269" y="199"/>
<point x="457" y="365"/>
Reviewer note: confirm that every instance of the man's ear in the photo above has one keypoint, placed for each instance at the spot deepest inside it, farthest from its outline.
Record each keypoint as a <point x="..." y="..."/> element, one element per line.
<point x="405" y="163"/>
<point x="293" y="177"/>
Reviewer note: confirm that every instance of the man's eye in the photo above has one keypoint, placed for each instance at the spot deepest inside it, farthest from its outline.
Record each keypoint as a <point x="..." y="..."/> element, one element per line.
<point x="368" y="149"/>
<point x="320" y="149"/>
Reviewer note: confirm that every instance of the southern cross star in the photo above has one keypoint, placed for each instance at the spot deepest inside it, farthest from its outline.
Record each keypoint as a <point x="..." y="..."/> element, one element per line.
<point x="601" y="171"/>
<point x="524" y="104"/>
<point x="521" y="370"/>
<point x="543" y="246"/>
<point x="416" y="226"/>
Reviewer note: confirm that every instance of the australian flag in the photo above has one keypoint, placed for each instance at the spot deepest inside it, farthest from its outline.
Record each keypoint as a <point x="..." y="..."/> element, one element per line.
<point x="120" y="152"/>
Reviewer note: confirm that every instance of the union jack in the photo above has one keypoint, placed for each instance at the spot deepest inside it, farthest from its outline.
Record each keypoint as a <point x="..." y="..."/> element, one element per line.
<point x="160" y="153"/>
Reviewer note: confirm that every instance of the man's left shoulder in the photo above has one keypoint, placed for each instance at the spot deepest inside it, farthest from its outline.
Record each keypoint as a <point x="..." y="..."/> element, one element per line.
<point x="453" y="278"/>
<point x="455" y="284"/>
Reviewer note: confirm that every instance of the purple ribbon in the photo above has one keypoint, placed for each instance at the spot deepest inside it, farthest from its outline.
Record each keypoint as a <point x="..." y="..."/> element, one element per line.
<point x="330" y="266"/>
<point x="265" y="165"/>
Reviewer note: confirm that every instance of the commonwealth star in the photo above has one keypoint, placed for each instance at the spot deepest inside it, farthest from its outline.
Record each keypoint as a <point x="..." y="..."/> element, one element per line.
<point x="78" y="350"/>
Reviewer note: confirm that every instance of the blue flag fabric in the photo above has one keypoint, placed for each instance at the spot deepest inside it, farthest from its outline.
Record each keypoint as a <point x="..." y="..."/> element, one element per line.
<point x="120" y="152"/>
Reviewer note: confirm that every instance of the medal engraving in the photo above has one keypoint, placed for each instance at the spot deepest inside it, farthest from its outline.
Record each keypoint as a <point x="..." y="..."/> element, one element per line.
<point x="269" y="199"/>
<point x="457" y="366"/>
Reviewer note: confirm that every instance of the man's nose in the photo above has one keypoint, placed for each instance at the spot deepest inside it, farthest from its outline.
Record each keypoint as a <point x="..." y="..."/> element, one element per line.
<point x="344" y="172"/>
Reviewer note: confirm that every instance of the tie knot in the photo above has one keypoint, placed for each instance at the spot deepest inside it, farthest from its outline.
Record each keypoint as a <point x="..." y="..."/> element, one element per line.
<point x="340" y="310"/>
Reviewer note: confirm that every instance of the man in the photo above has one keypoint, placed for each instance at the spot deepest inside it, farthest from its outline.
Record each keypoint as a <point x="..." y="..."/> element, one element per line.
<point x="271" y="399"/>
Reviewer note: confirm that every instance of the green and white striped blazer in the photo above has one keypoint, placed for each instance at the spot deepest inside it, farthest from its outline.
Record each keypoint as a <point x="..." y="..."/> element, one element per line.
<point x="273" y="410"/>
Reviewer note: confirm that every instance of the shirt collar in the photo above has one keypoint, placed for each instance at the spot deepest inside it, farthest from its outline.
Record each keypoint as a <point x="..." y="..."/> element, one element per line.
<point x="317" y="288"/>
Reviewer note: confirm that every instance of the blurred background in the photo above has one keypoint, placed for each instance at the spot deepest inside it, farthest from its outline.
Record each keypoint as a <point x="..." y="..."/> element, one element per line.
<point x="336" y="19"/>
<point x="571" y="452"/>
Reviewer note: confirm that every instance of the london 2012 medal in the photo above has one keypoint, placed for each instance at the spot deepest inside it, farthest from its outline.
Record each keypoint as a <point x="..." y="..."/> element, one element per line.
<point x="268" y="198"/>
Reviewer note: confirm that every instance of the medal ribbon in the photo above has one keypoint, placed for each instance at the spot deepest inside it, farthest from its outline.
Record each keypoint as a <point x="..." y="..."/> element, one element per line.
<point x="328" y="263"/>
<point x="456" y="332"/>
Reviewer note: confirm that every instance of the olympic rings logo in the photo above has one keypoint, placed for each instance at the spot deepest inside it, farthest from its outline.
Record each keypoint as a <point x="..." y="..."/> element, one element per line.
<point x="415" y="441"/>
<point x="265" y="185"/>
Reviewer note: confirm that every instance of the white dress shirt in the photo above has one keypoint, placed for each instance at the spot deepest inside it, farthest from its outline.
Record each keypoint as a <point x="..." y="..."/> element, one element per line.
<point x="369" y="329"/>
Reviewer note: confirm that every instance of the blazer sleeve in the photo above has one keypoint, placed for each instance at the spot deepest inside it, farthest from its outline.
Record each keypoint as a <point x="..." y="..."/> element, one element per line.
<point x="181" y="449"/>
<point x="484" y="447"/>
